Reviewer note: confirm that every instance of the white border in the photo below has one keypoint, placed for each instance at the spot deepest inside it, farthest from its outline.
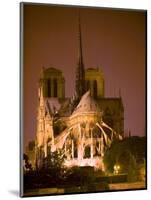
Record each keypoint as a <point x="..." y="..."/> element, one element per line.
<point x="9" y="97"/>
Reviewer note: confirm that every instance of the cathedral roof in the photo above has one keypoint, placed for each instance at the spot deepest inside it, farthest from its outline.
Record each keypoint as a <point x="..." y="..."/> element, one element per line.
<point x="52" y="69"/>
<point x="86" y="104"/>
<point x="52" y="104"/>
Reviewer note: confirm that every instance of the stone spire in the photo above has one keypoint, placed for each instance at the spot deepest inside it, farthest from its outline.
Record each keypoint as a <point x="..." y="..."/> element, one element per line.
<point x="80" y="72"/>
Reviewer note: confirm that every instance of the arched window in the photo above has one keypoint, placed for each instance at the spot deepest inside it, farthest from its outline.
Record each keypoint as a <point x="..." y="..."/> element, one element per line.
<point x="75" y="150"/>
<point x="49" y="87"/>
<point x="55" y="87"/>
<point x="87" y="152"/>
<point x="95" y="88"/>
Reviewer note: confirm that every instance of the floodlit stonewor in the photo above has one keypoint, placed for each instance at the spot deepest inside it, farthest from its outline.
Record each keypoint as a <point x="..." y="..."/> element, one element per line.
<point x="82" y="126"/>
<point x="83" y="137"/>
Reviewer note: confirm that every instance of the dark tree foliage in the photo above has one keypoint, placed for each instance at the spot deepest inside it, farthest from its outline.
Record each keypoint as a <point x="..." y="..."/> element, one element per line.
<point x="51" y="174"/>
<point x="53" y="167"/>
<point x="125" y="153"/>
<point x="28" y="165"/>
<point x="80" y="176"/>
<point x="54" y="160"/>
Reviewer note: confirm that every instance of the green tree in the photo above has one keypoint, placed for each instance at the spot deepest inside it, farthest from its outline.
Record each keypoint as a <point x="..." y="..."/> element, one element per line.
<point x="53" y="165"/>
<point x="124" y="152"/>
<point x="132" y="171"/>
<point x="27" y="165"/>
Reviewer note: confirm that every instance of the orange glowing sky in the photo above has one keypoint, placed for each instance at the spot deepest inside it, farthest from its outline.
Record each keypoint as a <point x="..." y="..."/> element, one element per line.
<point x="114" y="40"/>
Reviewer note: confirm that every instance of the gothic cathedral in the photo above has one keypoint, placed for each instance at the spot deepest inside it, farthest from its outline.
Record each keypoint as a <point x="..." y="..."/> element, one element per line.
<point x="82" y="126"/>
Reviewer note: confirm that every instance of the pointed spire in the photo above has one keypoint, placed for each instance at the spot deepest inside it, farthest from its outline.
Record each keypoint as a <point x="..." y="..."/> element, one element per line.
<point x="40" y="87"/>
<point x="80" y="55"/>
<point x="80" y="72"/>
<point x="41" y="96"/>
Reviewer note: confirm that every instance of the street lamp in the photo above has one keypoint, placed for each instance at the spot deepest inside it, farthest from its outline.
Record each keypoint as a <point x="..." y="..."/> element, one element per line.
<point x="116" y="169"/>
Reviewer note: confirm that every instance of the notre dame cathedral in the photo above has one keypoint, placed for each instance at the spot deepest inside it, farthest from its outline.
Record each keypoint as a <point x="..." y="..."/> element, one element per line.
<point x="84" y="125"/>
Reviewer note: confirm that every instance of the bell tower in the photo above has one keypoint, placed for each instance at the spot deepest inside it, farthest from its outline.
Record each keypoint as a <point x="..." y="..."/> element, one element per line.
<point x="94" y="81"/>
<point x="53" y="83"/>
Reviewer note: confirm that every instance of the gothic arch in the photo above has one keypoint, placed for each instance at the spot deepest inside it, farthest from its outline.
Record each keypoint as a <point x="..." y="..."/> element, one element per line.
<point x="87" y="151"/>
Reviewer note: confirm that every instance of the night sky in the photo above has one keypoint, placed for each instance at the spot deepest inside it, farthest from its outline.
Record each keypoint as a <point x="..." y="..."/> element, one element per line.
<point x="113" y="40"/>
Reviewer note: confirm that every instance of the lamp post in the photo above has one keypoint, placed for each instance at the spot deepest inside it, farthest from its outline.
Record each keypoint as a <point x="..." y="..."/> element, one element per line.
<point x="116" y="169"/>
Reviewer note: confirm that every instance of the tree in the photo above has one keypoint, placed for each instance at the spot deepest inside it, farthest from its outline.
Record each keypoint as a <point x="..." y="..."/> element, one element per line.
<point x="126" y="153"/>
<point x="53" y="165"/>
<point x="132" y="172"/>
<point x="81" y="176"/>
<point x="27" y="164"/>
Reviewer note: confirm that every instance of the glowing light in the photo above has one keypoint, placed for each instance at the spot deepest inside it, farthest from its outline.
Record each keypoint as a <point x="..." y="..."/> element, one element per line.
<point x="116" y="169"/>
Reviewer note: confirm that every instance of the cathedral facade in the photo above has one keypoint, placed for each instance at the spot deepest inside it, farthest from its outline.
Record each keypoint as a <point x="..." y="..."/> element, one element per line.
<point x="82" y="126"/>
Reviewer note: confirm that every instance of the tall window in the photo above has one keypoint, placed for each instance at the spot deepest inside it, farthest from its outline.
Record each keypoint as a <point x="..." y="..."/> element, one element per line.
<point x="49" y="87"/>
<point x="95" y="88"/>
<point x="55" y="87"/>
<point x="87" y="153"/>
<point x="75" y="150"/>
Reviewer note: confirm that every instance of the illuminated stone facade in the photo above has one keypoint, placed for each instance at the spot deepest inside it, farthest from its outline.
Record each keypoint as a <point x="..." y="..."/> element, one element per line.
<point x="94" y="81"/>
<point x="82" y="134"/>
<point x="53" y="83"/>
<point x="82" y="126"/>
